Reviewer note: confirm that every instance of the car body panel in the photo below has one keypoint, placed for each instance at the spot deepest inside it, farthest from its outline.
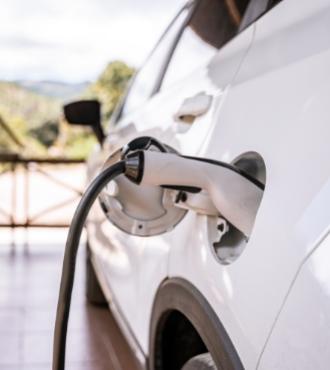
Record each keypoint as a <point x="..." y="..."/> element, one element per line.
<point x="304" y="321"/>
<point x="134" y="267"/>
<point x="279" y="110"/>
<point x="270" y="87"/>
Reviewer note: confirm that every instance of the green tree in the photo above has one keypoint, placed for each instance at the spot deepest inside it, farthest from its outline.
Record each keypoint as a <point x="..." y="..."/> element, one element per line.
<point x="47" y="133"/>
<point x="36" y="119"/>
<point x="110" y="86"/>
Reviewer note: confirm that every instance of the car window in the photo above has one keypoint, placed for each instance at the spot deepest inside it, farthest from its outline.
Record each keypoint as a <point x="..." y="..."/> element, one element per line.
<point x="146" y="81"/>
<point x="255" y="10"/>
<point x="272" y="3"/>
<point x="213" y="24"/>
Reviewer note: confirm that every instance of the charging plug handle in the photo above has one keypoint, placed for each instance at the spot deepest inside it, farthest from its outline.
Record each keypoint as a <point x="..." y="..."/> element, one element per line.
<point x="236" y="195"/>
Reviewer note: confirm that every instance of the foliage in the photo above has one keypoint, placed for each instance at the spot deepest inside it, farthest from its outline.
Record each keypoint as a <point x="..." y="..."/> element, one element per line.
<point x="47" y="133"/>
<point x="19" y="103"/>
<point x="80" y="144"/>
<point x="19" y="127"/>
<point x="110" y="86"/>
<point x="24" y="111"/>
<point x="36" y="119"/>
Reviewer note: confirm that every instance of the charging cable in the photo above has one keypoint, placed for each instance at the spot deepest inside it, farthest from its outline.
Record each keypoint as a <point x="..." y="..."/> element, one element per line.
<point x="235" y="195"/>
<point x="70" y="256"/>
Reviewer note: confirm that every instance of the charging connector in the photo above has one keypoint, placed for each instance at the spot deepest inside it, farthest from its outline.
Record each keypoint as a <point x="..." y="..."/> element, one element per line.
<point x="232" y="193"/>
<point x="235" y="194"/>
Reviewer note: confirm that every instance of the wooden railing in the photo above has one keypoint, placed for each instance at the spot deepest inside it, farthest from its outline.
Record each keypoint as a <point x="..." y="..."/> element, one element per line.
<point x="23" y="204"/>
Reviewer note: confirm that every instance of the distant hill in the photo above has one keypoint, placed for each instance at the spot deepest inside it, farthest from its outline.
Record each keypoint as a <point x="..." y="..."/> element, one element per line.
<point x="55" y="89"/>
<point x="35" y="120"/>
<point x="17" y="102"/>
<point x="33" y="112"/>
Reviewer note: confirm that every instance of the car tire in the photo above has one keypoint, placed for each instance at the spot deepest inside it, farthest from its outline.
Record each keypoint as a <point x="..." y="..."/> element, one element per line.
<point x="94" y="293"/>
<point x="200" y="362"/>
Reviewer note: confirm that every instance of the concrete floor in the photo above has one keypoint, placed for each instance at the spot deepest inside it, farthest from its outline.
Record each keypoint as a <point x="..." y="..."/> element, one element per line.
<point x="29" y="282"/>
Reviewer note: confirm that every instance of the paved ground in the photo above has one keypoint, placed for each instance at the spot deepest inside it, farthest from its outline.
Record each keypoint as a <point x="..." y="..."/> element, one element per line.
<point x="29" y="281"/>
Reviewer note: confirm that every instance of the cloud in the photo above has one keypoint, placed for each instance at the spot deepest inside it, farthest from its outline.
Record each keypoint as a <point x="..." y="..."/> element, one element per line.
<point x="73" y="40"/>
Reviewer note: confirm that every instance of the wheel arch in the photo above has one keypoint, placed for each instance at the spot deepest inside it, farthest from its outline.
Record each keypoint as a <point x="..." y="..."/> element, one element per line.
<point x="178" y="297"/>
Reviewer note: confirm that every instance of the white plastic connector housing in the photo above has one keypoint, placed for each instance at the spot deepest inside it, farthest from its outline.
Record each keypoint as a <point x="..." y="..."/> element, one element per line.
<point x="236" y="197"/>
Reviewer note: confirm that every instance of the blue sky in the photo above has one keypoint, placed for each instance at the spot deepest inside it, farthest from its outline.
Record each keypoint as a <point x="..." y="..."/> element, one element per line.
<point x="72" y="40"/>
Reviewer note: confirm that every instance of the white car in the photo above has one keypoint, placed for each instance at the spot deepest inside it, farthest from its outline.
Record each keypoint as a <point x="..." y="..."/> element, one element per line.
<point x="246" y="83"/>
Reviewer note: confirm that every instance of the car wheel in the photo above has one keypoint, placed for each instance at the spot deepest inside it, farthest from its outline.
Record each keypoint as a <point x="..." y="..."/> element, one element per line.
<point x="94" y="292"/>
<point x="200" y="362"/>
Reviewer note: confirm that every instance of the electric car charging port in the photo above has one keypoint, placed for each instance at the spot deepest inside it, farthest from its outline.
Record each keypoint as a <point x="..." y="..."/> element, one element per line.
<point x="227" y="242"/>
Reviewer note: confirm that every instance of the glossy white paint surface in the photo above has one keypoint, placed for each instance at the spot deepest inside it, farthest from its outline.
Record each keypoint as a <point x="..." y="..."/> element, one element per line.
<point x="271" y="91"/>
<point x="133" y="266"/>
<point x="301" y="337"/>
<point x="278" y="107"/>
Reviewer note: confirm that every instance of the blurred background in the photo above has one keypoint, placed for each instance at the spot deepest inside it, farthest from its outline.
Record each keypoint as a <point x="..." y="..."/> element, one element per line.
<point x="57" y="50"/>
<point x="53" y="52"/>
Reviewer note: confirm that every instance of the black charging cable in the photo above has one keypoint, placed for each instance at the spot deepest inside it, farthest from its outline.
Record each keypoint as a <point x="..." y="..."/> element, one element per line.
<point x="132" y="167"/>
<point x="70" y="256"/>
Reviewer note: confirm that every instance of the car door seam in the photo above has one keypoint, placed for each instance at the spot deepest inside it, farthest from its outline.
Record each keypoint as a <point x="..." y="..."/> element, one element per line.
<point x="322" y="238"/>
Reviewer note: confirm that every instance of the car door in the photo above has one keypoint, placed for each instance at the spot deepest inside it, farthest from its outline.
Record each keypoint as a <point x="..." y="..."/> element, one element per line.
<point x="276" y="112"/>
<point x="208" y="54"/>
<point x="116" y="255"/>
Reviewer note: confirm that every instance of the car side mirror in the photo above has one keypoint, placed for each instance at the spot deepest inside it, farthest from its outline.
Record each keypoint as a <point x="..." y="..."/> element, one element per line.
<point x="85" y="113"/>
